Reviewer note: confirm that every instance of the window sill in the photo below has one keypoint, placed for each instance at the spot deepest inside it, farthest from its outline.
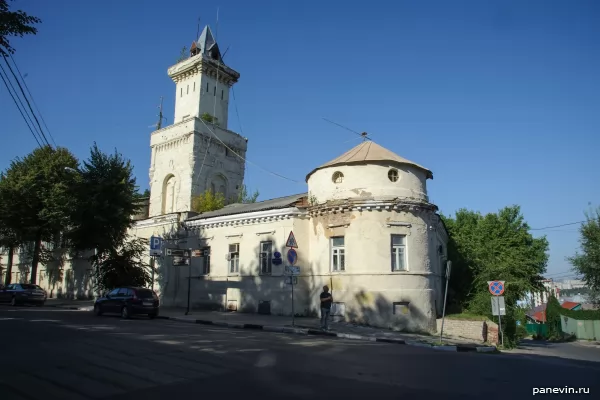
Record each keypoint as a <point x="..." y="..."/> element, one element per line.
<point x="399" y="271"/>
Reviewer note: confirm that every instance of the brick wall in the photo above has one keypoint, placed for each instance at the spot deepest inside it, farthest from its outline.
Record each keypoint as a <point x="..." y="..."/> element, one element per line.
<point x="478" y="331"/>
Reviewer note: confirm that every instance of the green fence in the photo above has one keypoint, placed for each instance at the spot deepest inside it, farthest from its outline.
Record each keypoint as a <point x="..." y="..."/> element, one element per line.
<point x="582" y="329"/>
<point x="537" y="329"/>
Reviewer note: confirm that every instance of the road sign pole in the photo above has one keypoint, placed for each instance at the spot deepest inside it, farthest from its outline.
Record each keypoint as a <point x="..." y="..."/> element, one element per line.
<point x="189" y="284"/>
<point x="448" y="267"/>
<point x="293" y="312"/>
<point x="500" y="322"/>
<point x="152" y="263"/>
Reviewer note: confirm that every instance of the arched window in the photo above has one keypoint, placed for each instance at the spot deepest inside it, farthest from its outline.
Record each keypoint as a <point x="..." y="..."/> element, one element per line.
<point x="169" y="204"/>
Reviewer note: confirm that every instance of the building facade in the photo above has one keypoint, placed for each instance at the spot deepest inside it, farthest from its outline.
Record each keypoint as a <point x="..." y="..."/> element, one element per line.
<point x="364" y="226"/>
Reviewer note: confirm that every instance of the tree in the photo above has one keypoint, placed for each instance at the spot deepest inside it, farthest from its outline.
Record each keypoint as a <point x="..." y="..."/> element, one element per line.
<point x="123" y="266"/>
<point x="107" y="198"/>
<point x="587" y="261"/>
<point x="208" y="201"/>
<point x="245" y="197"/>
<point x="42" y="198"/>
<point x="496" y="246"/>
<point x="14" y="23"/>
<point x="9" y="240"/>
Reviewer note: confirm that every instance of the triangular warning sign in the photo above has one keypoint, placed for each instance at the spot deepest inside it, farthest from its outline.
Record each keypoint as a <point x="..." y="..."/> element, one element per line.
<point x="291" y="242"/>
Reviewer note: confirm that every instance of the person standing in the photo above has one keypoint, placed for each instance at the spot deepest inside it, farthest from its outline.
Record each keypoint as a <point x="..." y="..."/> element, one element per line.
<point x="326" y="301"/>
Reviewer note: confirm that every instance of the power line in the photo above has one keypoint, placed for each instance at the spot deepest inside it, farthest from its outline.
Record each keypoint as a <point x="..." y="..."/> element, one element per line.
<point x="248" y="161"/>
<point x="32" y="99"/>
<point x="27" y="101"/>
<point x="19" y="108"/>
<point x="237" y="112"/>
<point x="557" y="226"/>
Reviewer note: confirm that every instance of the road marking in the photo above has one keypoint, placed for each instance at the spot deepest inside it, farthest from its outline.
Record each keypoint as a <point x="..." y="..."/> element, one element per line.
<point x="6" y="319"/>
<point x="45" y="320"/>
<point x="249" y="350"/>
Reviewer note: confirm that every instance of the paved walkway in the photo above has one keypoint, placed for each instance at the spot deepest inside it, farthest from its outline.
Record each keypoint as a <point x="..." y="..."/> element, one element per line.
<point x="304" y="323"/>
<point x="274" y="321"/>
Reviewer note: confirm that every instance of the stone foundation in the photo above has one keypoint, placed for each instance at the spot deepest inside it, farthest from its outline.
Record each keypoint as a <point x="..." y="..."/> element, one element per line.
<point x="478" y="331"/>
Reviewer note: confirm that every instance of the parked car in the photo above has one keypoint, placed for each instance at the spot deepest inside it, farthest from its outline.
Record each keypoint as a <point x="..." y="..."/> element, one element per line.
<point x="128" y="301"/>
<point x="23" y="293"/>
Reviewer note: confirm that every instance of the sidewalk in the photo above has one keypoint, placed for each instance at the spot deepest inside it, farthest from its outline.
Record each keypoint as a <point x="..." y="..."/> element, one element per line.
<point x="301" y="326"/>
<point x="311" y="326"/>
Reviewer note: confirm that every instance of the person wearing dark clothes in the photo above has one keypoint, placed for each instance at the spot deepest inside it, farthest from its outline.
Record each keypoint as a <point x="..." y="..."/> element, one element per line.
<point x="326" y="301"/>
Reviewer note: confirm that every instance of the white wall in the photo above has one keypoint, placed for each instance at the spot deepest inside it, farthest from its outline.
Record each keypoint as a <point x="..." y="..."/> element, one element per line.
<point x="368" y="181"/>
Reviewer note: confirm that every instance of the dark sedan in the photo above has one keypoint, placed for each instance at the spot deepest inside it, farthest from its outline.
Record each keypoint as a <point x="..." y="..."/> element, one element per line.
<point x="128" y="301"/>
<point x="22" y="293"/>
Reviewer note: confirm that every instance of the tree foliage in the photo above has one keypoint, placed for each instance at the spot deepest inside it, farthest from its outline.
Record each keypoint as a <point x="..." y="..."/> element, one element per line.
<point x="587" y="261"/>
<point x="208" y="201"/>
<point x="14" y="23"/>
<point x="245" y="197"/>
<point x="42" y="200"/>
<point x="495" y="246"/>
<point x="123" y="266"/>
<point x="107" y="197"/>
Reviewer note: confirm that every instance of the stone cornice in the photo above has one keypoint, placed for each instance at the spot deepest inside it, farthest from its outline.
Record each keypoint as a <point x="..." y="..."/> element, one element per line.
<point x="245" y="219"/>
<point x="201" y="64"/>
<point x="370" y="205"/>
<point x="157" y="221"/>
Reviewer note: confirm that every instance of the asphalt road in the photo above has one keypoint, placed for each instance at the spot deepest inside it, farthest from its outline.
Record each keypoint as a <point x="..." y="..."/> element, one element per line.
<point x="72" y="355"/>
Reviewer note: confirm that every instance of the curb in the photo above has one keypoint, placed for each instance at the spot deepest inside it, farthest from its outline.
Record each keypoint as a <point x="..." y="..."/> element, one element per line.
<point x="316" y="332"/>
<point x="77" y="308"/>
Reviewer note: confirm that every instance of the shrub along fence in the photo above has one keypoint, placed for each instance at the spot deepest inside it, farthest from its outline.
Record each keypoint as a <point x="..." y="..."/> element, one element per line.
<point x="584" y="324"/>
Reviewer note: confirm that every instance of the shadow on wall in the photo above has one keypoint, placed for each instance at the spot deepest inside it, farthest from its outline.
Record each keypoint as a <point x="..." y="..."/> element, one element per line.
<point x="255" y="292"/>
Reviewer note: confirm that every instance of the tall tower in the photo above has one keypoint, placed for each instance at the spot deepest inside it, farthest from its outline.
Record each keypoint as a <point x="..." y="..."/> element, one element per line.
<point x="197" y="152"/>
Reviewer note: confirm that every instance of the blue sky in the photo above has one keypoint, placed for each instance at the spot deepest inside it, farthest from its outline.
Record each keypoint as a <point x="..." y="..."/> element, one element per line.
<point x="499" y="99"/>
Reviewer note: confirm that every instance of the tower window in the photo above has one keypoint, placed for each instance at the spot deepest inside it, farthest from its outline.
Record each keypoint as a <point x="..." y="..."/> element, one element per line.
<point x="393" y="175"/>
<point x="181" y="92"/>
<point x="206" y="86"/>
<point x="215" y="90"/>
<point x="188" y="89"/>
<point x="194" y="86"/>
<point x="222" y="94"/>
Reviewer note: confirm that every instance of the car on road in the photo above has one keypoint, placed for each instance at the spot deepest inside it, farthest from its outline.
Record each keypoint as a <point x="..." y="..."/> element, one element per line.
<point x="128" y="301"/>
<point x="23" y="293"/>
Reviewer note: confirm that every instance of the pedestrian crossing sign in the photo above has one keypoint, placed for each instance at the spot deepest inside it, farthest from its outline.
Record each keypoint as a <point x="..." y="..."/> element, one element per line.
<point x="291" y="242"/>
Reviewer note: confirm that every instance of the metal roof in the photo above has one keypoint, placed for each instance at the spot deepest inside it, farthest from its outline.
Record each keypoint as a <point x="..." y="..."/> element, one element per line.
<point x="242" y="208"/>
<point x="369" y="151"/>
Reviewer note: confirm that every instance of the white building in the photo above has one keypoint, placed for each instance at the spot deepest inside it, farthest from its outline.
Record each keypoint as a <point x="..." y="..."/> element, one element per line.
<point x="364" y="227"/>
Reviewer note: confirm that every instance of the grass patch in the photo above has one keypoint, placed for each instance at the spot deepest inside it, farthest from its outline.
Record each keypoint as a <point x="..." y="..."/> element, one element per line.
<point x="467" y="317"/>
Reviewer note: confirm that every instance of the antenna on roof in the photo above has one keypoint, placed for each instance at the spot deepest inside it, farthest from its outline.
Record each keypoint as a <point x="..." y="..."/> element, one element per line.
<point x="198" y="30"/>
<point x="363" y="135"/>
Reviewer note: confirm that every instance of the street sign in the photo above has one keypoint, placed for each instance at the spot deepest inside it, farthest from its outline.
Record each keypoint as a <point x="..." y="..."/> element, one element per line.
<point x="291" y="280"/>
<point x="277" y="258"/>
<point x="292" y="256"/>
<point x="180" y="261"/>
<point x="448" y="269"/>
<point x="291" y="270"/>
<point x="498" y="307"/>
<point x="291" y="242"/>
<point x="179" y="253"/>
<point x="197" y="253"/>
<point x="496" y="288"/>
<point x="155" y="246"/>
<point x="277" y="255"/>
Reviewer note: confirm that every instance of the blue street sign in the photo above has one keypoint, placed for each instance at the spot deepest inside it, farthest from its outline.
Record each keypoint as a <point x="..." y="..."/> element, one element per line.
<point x="277" y="255"/>
<point x="155" y="246"/>
<point x="292" y="256"/>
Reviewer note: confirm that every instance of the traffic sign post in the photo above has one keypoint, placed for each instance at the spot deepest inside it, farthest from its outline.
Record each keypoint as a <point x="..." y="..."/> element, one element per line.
<point x="448" y="268"/>
<point x="291" y="241"/>
<point x="496" y="288"/>
<point x="292" y="256"/>
<point x="155" y="246"/>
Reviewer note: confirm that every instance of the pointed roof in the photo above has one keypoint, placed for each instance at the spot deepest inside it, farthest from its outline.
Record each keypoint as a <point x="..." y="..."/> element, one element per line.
<point x="207" y="44"/>
<point x="366" y="152"/>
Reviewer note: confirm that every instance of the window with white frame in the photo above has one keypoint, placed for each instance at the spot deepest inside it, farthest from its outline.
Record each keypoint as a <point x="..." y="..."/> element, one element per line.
<point x="206" y="261"/>
<point x="338" y="256"/>
<point x="234" y="258"/>
<point x="399" y="253"/>
<point x="265" y="256"/>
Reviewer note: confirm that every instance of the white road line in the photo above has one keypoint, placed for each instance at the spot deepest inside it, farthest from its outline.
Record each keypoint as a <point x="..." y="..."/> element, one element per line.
<point x="45" y="320"/>
<point x="6" y="319"/>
